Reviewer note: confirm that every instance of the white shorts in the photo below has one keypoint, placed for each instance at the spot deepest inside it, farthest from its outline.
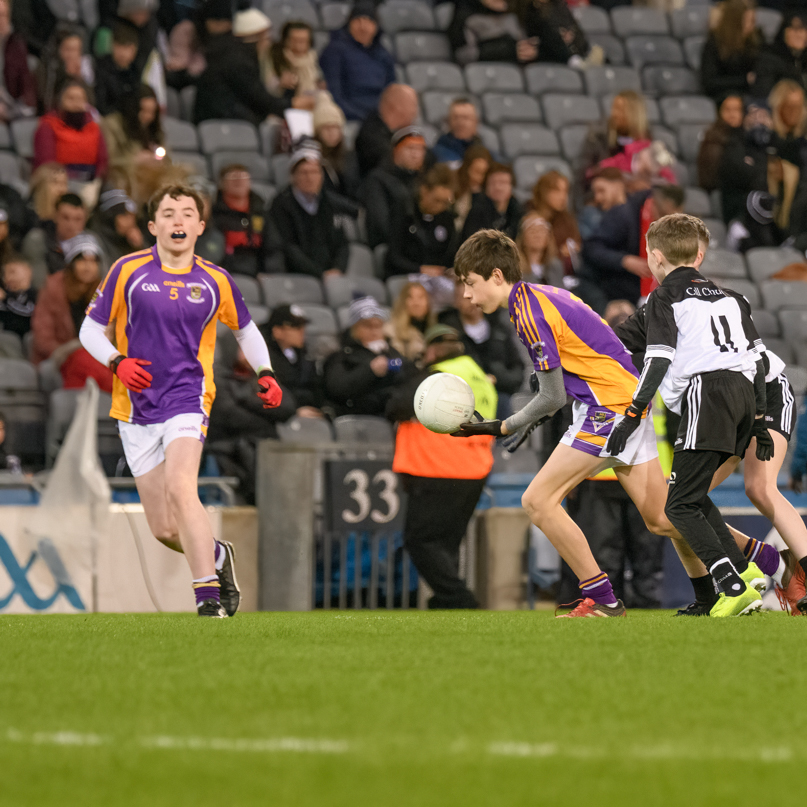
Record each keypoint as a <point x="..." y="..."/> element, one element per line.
<point x="592" y="426"/>
<point x="144" y="446"/>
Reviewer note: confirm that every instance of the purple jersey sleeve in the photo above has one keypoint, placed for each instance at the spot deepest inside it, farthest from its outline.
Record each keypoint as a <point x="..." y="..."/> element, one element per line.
<point x="100" y="308"/>
<point x="534" y="330"/>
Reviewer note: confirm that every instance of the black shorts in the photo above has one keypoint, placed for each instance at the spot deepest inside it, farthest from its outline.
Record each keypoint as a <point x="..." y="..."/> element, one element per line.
<point x="781" y="414"/>
<point x="717" y="414"/>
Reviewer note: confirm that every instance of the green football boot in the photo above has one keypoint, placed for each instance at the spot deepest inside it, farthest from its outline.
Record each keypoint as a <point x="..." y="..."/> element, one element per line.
<point x="754" y="578"/>
<point x="746" y="603"/>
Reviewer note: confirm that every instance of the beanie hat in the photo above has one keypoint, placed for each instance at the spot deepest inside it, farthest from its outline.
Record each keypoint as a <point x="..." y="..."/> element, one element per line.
<point x="250" y="22"/>
<point x="400" y="135"/>
<point x="306" y="149"/>
<point x="115" y="202"/>
<point x="326" y="113"/>
<point x="81" y="244"/>
<point x="216" y="10"/>
<point x="364" y="8"/>
<point x="365" y="308"/>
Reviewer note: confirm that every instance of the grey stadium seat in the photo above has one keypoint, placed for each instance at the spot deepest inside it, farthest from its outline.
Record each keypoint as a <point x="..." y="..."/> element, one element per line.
<point x="680" y="109"/>
<point x="543" y="78"/>
<point x="173" y="103"/>
<point x="777" y="294"/>
<point x="783" y="349"/>
<point x="282" y="11"/>
<point x="11" y="168"/>
<point x="592" y="20"/>
<point x="282" y="288"/>
<point x="769" y="21"/>
<point x="693" y="50"/>
<point x="362" y="429"/>
<point x="644" y="50"/>
<point x="228" y="135"/>
<point x="256" y="164"/>
<point x="405" y="15"/>
<point x="280" y="169"/>
<point x="435" y="76"/>
<point x="697" y="202"/>
<point x="561" y="110"/>
<point x="418" y="47"/>
<point x="527" y="138"/>
<point x="22" y="134"/>
<point x="509" y="107"/>
<point x="766" y="261"/>
<point x="360" y="262"/>
<point x="630" y="21"/>
<point x="17" y="377"/>
<point x="266" y="191"/>
<point x="748" y="289"/>
<point x="667" y="80"/>
<point x="308" y="431"/>
<point x="798" y="378"/>
<point x="529" y="168"/>
<point x="611" y="79"/>
<point x="690" y="21"/>
<point x="341" y="291"/>
<point x="443" y="14"/>
<point x="334" y="15"/>
<point x="395" y="284"/>
<point x="194" y="161"/>
<point x="5" y="137"/>
<point x="717" y="230"/>
<point x="614" y="50"/>
<point x="62" y="407"/>
<point x="321" y="320"/>
<point x="767" y="323"/>
<point x="11" y="345"/>
<point x="723" y="263"/>
<point x="493" y="77"/>
<point x="250" y="289"/>
<point x="490" y="138"/>
<point x="794" y="324"/>
<point x="572" y="139"/>
<point x="180" y="135"/>
<point x="259" y="313"/>
<point x="690" y="136"/>
<point x="668" y="138"/>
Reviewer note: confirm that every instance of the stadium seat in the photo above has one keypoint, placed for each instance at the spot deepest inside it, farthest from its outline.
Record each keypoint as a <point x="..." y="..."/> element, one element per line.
<point x="571" y="141"/>
<point x="443" y="13"/>
<point x="360" y="262"/>
<point x="717" y="230"/>
<point x="561" y="110"/>
<point x="341" y="291"/>
<point x="645" y="50"/>
<point x="527" y="138"/>
<point x="10" y="345"/>
<point x="5" y="137"/>
<point x="493" y="77"/>
<point x="363" y="429"/>
<point x="280" y="169"/>
<point x="592" y="20"/>
<point x="681" y="171"/>
<point x="282" y="11"/>
<point x="173" y="103"/>
<point x="194" y="161"/>
<point x="680" y="109"/>
<point x="180" y="135"/>
<point x="798" y="378"/>
<point x="724" y="264"/>
<point x="395" y="284"/>
<point x="529" y="168"/>
<point x="287" y="288"/>
<point x="321" y="320"/>
<point x="767" y="324"/>
<point x="255" y="163"/>
<point x="266" y="191"/>
<point x="690" y="137"/>
<point x="405" y="15"/>
<point x="748" y="289"/>
<point x="418" y="47"/>
<point x="665" y="80"/>
<point x="793" y="322"/>
<point x="490" y="138"/>
<point x="49" y="376"/>
<point x="697" y="202"/>
<point x="22" y="135"/>
<point x="334" y="15"/>
<point x="769" y="21"/>
<point x="669" y="139"/>
<point x="228" y="135"/>
<point x="609" y="80"/>
<point x="435" y="105"/>
<point x="187" y="97"/>
<point x="630" y="21"/>
<point x="17" y="378"/>
<point x="778" y="294"/>
<point x="250" y="289"/>
<point x="259" y="313"/>
<point x="693" y="50"/>
<point x="509" y="107"/>
<point x="690" y="21"/>
<point x="783" y="349"/>
<point x="23" y="405"/>
<point x="435" y="76"/>
<point x="11" y="169"/>
<point x="542" y="78"/>
<point x="614" y="50"/>
<point x="308" y="431"/>
<point x="62" y="407"/>
<point x="766" y="261"/>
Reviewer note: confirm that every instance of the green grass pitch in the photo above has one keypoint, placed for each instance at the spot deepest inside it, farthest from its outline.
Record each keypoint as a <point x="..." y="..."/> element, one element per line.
<point x="388" y="709"/>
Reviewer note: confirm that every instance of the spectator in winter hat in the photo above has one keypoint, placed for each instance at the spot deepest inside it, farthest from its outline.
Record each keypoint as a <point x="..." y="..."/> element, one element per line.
<point x="115" y="225"/>
<point x="339" y="164"/>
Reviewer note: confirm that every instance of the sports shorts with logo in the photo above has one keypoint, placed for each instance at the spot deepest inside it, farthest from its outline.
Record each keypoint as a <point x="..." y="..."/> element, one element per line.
<point x="781" y="410"/>
<point x="592" y="426"/>
<point x="144" y="446"/>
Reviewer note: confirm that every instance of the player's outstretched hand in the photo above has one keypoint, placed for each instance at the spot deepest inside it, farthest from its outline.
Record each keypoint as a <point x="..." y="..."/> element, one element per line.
<point x="764" y="440"/>
<point x="621" y="434"/>
<point x="132" y="374"/>
<point x="270" y="392"/>
<point x="471" y="428"/>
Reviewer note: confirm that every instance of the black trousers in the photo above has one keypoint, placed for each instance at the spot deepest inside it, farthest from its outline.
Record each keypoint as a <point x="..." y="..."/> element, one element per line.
<point x="437" y="517"/>
<point x="620" y="543"/>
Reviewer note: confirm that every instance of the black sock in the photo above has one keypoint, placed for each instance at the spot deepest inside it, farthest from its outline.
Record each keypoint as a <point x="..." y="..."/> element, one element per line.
<point x="726" y="578"/>
<point x="803" y="564"/>
<point x="716" y="522"/>
<point x="704" y="589"/>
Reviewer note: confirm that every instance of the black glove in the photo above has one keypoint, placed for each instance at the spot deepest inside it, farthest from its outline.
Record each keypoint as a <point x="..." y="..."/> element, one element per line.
<point x="535" y="384"/>
<point x="471" y="429"/>
<point x="621" y="434"/>
<point x="764" y="440"/>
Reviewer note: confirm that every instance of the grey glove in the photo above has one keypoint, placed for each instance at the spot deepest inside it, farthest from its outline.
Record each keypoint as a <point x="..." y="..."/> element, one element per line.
<point x="515" y="440"/>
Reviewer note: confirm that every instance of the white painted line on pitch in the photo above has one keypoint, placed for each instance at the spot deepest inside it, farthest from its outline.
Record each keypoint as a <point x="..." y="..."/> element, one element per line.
<point x="238" y="745"/>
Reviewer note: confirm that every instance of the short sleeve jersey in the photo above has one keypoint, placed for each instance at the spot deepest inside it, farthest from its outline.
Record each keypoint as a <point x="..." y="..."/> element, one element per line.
<point x="168" y="317"/>
<point x="560" y="330"/>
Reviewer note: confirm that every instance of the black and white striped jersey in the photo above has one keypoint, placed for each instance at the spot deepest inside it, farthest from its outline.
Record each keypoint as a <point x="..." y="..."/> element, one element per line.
<point x="700" y="328"/>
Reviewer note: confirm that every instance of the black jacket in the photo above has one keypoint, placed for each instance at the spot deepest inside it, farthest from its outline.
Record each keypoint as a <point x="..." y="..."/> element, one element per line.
<point x="743" y="168"/>
<point x="310" y="244"/>
<point x="351" y="385"/>
<point x="498" y="355"/>
<point x="484" y="216"/>
<point x="387" y="189"/>
<point x="112" y="84"/>
<point x="547" y="21"/>
<point x="373" y="143"/>
<point x="21" y="218"/>
<point x="16" y="310"/>
<point x="417" y="240"/>
<point x="719" y="76"/>
<point x="243" y="235"/>
<point x="479" y="34"/>
<point x="231" y="85"/>
<point x="778" y="62"/>
<point x="301" y="377"/>
<point x="616" y="236"/>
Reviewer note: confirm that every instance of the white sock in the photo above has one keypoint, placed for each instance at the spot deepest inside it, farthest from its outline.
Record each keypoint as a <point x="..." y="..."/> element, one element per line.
<point x="780" y="571"/>
<point x="209" y="579"/>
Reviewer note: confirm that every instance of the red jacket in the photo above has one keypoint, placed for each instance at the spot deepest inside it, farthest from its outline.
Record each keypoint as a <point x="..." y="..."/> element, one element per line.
<point x="20" y="82"/>
<point x="76" y="149"/>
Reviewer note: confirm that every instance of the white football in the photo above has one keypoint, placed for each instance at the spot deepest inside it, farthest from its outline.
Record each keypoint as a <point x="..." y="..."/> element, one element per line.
<point x="443" y="402"/>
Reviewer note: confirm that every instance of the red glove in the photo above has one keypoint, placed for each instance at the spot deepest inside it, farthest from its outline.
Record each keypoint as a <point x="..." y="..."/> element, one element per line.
<point x="270" y="392"/>
<point x="129" y="372"/>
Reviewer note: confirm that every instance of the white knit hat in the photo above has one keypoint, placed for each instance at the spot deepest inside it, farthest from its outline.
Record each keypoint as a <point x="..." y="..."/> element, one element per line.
<point x="251" y="22"/>
<point x="365" y="308"/>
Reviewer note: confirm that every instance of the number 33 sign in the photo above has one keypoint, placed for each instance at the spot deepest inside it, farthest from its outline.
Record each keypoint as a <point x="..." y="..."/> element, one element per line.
<point x="364" y="495"/>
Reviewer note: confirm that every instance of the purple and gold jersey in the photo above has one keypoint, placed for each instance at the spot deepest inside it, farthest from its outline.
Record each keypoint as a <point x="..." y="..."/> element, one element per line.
<point x="167" y="316"/>
<point x="560" y="330"/>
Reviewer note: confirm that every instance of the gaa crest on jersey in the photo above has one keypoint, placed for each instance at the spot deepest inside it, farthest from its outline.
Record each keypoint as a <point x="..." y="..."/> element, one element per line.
<point x="195" y="295"/>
